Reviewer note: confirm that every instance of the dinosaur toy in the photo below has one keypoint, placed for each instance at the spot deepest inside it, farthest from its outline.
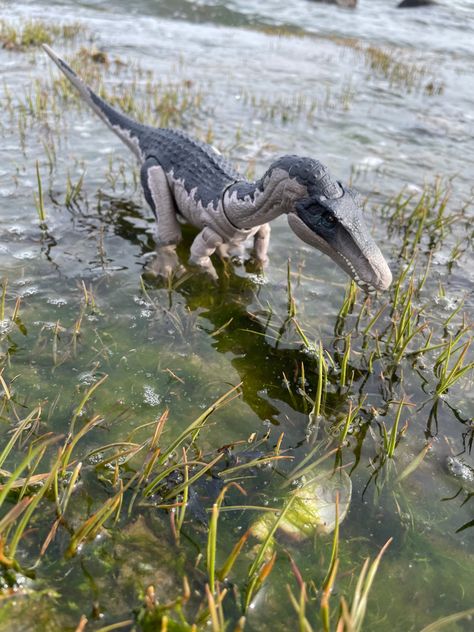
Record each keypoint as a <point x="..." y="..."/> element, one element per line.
<point x="186" y="180"/>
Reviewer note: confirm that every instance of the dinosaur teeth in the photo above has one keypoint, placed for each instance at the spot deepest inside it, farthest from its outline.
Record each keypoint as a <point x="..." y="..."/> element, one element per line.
<point x="364" y="286"/>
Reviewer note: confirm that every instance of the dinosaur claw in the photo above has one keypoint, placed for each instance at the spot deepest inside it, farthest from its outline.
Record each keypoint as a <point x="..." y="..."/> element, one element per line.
<point x="165" y="263"/>
<point x="204" y="264"/>
<point x="261" y="261"/>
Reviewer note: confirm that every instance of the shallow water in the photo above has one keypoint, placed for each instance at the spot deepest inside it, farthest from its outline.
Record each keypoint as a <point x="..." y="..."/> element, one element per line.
<point x="262" y="80"/>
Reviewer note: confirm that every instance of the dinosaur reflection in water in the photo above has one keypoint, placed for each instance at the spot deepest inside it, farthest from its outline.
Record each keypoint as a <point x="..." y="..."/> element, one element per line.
<point x="262" y="364"/>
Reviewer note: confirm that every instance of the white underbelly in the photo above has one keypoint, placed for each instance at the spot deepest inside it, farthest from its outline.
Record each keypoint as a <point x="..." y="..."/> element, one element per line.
<point x="193" y="212"/>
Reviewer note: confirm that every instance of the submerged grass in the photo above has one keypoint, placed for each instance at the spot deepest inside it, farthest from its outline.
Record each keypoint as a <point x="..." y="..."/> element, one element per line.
<point x="47" y="496"/>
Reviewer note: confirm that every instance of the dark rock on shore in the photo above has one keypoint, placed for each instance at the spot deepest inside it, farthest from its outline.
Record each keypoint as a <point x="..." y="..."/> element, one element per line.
<point x="413" y="4"/>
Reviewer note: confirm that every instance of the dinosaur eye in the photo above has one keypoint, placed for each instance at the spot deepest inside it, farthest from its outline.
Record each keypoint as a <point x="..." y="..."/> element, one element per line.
<point x="328" y="220"/>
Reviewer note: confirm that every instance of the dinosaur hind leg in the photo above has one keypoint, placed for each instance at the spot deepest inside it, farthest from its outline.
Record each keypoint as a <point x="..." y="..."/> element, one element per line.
<point x="168" y="232"/>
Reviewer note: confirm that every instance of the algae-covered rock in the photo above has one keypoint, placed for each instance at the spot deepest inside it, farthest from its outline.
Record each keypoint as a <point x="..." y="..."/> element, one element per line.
<point x="461" y="471"/>
<point x="311" y="508"/>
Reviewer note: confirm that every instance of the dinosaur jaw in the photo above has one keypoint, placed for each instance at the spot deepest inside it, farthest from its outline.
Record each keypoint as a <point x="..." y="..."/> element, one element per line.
<point x="362" y="261"/>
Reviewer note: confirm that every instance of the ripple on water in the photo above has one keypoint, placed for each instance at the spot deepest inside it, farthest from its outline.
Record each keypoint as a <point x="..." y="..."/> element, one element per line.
<point x="370" y="163"/>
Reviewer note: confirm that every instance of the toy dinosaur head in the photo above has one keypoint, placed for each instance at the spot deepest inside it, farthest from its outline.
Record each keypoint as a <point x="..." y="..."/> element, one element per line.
<point x="331" y="219"/>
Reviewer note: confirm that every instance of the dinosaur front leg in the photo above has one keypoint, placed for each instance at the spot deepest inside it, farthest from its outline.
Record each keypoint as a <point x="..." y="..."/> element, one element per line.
<point x="165" y="262"/>
<point x="203" y="247"/>
<point x="168" y="231"/>
<point x="261" y="243"/>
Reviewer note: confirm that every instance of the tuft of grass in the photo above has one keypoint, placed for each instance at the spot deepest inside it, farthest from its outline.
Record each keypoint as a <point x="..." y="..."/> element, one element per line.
<point x="395" y="65"/>
<point x="34" y="33"/>
<point x="349" y="618"/>
<point x="73" y="191"/>
<point x="449" y="375"/>
<point x="390" y="440"/>
<point x="301" y="106"/>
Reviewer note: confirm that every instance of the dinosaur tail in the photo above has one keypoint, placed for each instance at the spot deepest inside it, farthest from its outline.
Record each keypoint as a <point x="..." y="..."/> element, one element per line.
<point x="128" y="130"/>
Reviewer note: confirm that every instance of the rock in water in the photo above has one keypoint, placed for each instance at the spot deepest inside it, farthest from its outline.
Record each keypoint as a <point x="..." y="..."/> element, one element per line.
<point x="312" y="508"/>
<point x="413" y="4"/>
<point x="462" y="472"/>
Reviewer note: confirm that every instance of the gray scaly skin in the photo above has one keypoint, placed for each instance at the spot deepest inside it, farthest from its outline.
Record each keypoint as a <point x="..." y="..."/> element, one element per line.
<point x="186" y="180"/>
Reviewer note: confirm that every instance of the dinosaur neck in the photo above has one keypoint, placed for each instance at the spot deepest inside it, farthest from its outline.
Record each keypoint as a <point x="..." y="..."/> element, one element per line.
<point x="249" y="204"/>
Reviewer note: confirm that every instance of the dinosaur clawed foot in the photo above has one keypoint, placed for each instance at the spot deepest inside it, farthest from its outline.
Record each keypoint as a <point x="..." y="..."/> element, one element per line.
<point x="233" y="252"/>
<point x="165" y="263"/>
<point x="204" y="264"/>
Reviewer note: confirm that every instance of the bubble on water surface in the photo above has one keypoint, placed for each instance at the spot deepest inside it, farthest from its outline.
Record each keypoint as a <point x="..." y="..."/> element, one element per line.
<point x="30" y="291"/>
<point x="258" y="279"/>
<point x="47" y="325"/>
<point x="447" y="302"/>
<point x="5" y="326"/>
<point x="458" y="468"/>
<point x="93" y="459"/>
<point x="59" y="302"/>
<point x="25" y="255"/>
<point x="16" y="230"/>
<point x="370" y="162"/>
<point x="87" y="378"/>
<point x="140" y="301"/>
<point x="151" y="397"/>
<point x="441" y="258"/>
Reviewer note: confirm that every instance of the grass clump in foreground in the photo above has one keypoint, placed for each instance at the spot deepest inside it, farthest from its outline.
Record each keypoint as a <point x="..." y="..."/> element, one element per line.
<point x="33" y="33"/>
<point x="40" y="492"/>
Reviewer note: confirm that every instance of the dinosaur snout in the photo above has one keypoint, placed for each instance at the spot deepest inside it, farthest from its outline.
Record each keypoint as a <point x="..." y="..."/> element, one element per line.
<point x="383" y="274"/>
